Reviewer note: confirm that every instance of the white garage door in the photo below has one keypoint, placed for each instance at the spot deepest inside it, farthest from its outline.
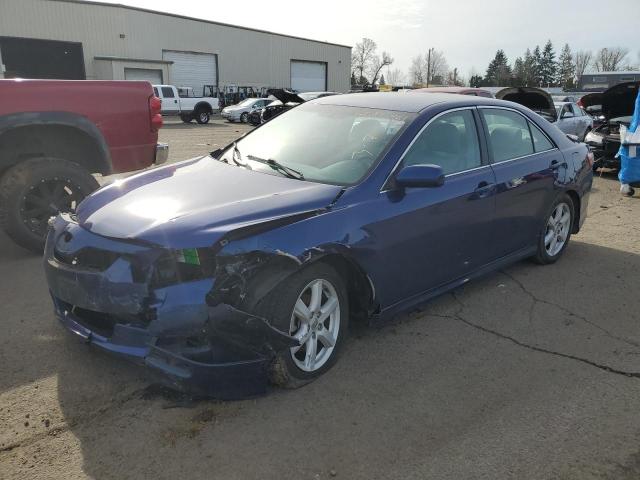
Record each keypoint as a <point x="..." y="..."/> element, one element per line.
<point x="152" y="76"/>
<point x="308" y="76"/>
<point x="191" y="69"/>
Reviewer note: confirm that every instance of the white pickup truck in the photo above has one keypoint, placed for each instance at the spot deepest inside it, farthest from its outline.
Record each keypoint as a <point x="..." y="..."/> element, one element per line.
<point x="181" y="101"/>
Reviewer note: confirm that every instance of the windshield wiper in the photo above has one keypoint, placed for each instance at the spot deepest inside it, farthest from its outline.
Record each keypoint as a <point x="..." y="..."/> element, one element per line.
<point x="236" y="151"/>
<point x="283" y="169"/>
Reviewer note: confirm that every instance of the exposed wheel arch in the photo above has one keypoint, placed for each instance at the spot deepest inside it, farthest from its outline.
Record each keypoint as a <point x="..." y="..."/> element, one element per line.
<point x="575" y="198"/>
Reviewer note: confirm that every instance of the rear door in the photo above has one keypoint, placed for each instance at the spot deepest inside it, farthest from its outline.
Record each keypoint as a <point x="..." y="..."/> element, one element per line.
<point x="526" y="163"/>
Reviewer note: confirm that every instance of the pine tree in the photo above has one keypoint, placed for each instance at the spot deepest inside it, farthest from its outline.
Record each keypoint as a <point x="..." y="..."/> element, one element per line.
<point x="354" y="81"/>
<point x="536" y="67"/>
<point x="566" y="68"/>
<point x="518" y="73"/>
<point x="476" y="81"/>
<point x="498" y="71"/>
<point x="548" y="65"/>
<point x="528" y="69"/>
<point x="382" y="80"/>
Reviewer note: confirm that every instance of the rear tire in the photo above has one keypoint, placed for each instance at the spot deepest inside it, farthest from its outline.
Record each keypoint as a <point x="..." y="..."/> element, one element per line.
<point x="293" y="369"/>
<point x="186" y="118"/>
<point x="34" y="190"/>
<point x="556" y="231"/>
<point x="202" y="117"/>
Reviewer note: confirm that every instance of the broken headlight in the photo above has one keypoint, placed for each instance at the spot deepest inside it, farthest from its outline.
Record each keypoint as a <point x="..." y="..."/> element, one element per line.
<point x="593" y="138"/>
<point x="183" y="265"/>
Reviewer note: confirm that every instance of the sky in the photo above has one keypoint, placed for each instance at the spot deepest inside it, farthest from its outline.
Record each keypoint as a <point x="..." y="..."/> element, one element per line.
<point x="468" y="32"/>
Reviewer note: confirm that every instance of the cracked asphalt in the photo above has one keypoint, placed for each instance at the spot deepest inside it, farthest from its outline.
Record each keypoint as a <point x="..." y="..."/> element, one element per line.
<point x="529" y="373"/>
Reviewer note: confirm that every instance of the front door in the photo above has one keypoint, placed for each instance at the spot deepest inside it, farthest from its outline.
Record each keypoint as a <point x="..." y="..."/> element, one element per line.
<point x="431" y="236"/>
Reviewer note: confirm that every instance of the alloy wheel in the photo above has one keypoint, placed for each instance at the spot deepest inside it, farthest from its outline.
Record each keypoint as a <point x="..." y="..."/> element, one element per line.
<point x="557" y="231"/>
<point x="315" y="323"/>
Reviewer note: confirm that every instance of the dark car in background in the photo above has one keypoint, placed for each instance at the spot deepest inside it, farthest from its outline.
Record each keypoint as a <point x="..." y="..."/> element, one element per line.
<point x="282" y="100"/>
<point x="616" y="108"/>
<point x="225" y="271"/>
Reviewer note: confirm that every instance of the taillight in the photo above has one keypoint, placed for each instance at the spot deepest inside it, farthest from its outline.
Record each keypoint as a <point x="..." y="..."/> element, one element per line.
<point x="155" y="106"/>
<point x="591" y="159"/>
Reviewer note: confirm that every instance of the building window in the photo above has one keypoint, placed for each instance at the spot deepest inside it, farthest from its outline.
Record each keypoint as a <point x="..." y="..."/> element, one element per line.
<point x="599" y="79"/>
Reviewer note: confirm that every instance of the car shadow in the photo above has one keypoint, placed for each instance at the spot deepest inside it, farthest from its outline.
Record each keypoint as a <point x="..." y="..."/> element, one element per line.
<point x="421" y="384"/>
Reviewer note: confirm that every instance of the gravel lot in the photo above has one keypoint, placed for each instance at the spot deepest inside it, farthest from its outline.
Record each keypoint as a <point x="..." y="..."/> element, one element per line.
<point x="530" y="373"/>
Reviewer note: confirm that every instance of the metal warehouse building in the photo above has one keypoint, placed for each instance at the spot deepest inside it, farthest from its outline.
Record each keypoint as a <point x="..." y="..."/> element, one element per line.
<point x="71" y="39"/>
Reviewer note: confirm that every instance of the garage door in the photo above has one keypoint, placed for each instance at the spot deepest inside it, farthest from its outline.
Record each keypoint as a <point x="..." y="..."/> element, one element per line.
<point x="191" y="69"/>
<point x="150" y="75"/>
<point x="308" y="76"/>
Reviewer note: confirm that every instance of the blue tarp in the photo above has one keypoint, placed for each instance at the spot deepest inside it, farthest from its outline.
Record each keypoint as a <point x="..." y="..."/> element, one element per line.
<point x="630" y="165"/>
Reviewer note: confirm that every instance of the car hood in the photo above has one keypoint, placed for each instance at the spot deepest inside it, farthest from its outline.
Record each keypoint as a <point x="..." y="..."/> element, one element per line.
<point x="196" y="202"/>
<point x="592" y="103"/>
<point x="285" y="96"/>
<point x="619" y="100"/>
<point x="533" y="98"/>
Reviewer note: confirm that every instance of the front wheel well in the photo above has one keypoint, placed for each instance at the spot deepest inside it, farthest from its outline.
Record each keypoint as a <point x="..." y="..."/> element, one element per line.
<point x="359" y="287"/>
<point x="58" y="141"/>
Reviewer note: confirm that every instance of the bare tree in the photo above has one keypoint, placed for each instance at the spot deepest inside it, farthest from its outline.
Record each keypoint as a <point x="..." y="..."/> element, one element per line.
<point x="610" y="59"/>
<point x="582" y="62"/>
<point x="378" y="63"/>
<point x="415" y="71"/>
<point x="429" y="67"/>
<point x="435" y="66"/>
<point x="395" y="77"/>
<point x="362" y="55"/>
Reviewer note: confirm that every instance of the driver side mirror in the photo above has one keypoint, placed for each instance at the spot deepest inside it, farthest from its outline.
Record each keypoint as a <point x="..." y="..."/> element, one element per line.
<point x="424" y="175"/>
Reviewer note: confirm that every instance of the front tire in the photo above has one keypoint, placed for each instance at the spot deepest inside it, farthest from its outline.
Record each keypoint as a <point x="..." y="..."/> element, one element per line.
<point x="34" y="190"/>
<point x="556" y="232"/>
<point x="312" y="306"/>
<point x="244" y="118"/>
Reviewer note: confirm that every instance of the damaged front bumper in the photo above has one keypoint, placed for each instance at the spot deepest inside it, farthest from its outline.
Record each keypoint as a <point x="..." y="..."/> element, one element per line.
<point x="102" y="292"/>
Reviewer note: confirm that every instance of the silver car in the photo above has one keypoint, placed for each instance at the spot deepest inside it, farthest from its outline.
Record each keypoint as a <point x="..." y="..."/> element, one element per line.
<point x="572" y="119"/>
<point x="241" y="111"/>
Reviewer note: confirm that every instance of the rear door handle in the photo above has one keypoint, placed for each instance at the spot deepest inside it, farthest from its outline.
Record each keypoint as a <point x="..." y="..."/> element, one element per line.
<point x="484" y="186"/>
<point x="555" y="165"/>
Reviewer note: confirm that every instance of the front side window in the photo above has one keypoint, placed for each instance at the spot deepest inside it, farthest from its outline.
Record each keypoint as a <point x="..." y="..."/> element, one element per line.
<point x="325" y="143"/>
<point x="509" y="135"/>
<point x="167" y="92"/>
<point x="450" y="141"/>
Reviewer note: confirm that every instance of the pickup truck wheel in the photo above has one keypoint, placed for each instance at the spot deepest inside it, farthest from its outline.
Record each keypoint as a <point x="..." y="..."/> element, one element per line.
<point x="186" y="118"/>
<point x="34" y="190"/>
<point x="202" y="117"/>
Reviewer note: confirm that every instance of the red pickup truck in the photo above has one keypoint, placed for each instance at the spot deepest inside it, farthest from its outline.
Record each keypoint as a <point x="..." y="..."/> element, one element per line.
<point x="55" y="133"/>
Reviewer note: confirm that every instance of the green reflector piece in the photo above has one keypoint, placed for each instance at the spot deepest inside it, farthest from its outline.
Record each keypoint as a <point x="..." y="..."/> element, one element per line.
<point x="190" y="256"/>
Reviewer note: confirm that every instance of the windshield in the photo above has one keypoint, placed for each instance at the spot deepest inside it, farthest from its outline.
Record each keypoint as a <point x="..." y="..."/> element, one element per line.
<point x="247" y="102"/>
<point x="325" y="143"/>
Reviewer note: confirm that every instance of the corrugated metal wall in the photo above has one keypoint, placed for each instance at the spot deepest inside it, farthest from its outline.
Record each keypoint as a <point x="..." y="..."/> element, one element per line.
<point x="244" y="56"/>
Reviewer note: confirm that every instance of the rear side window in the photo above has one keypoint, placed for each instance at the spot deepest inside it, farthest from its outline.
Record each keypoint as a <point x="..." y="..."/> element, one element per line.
<point x="167" y="92"/>
<point x="155" y="92"/>
<point x="450" y="141"/>
<point x="509" y="135"/>
<point x="540" y="141"/>
<point x="577" y="111"/>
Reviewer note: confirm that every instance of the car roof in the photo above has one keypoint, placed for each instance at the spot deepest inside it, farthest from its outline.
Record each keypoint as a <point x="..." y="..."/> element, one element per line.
<point x="451" y="90"/>
<point x="406" y="103"/>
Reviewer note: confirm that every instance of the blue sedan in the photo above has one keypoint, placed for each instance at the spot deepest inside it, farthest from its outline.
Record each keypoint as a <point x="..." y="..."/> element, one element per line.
<point x="225" y="272"/>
